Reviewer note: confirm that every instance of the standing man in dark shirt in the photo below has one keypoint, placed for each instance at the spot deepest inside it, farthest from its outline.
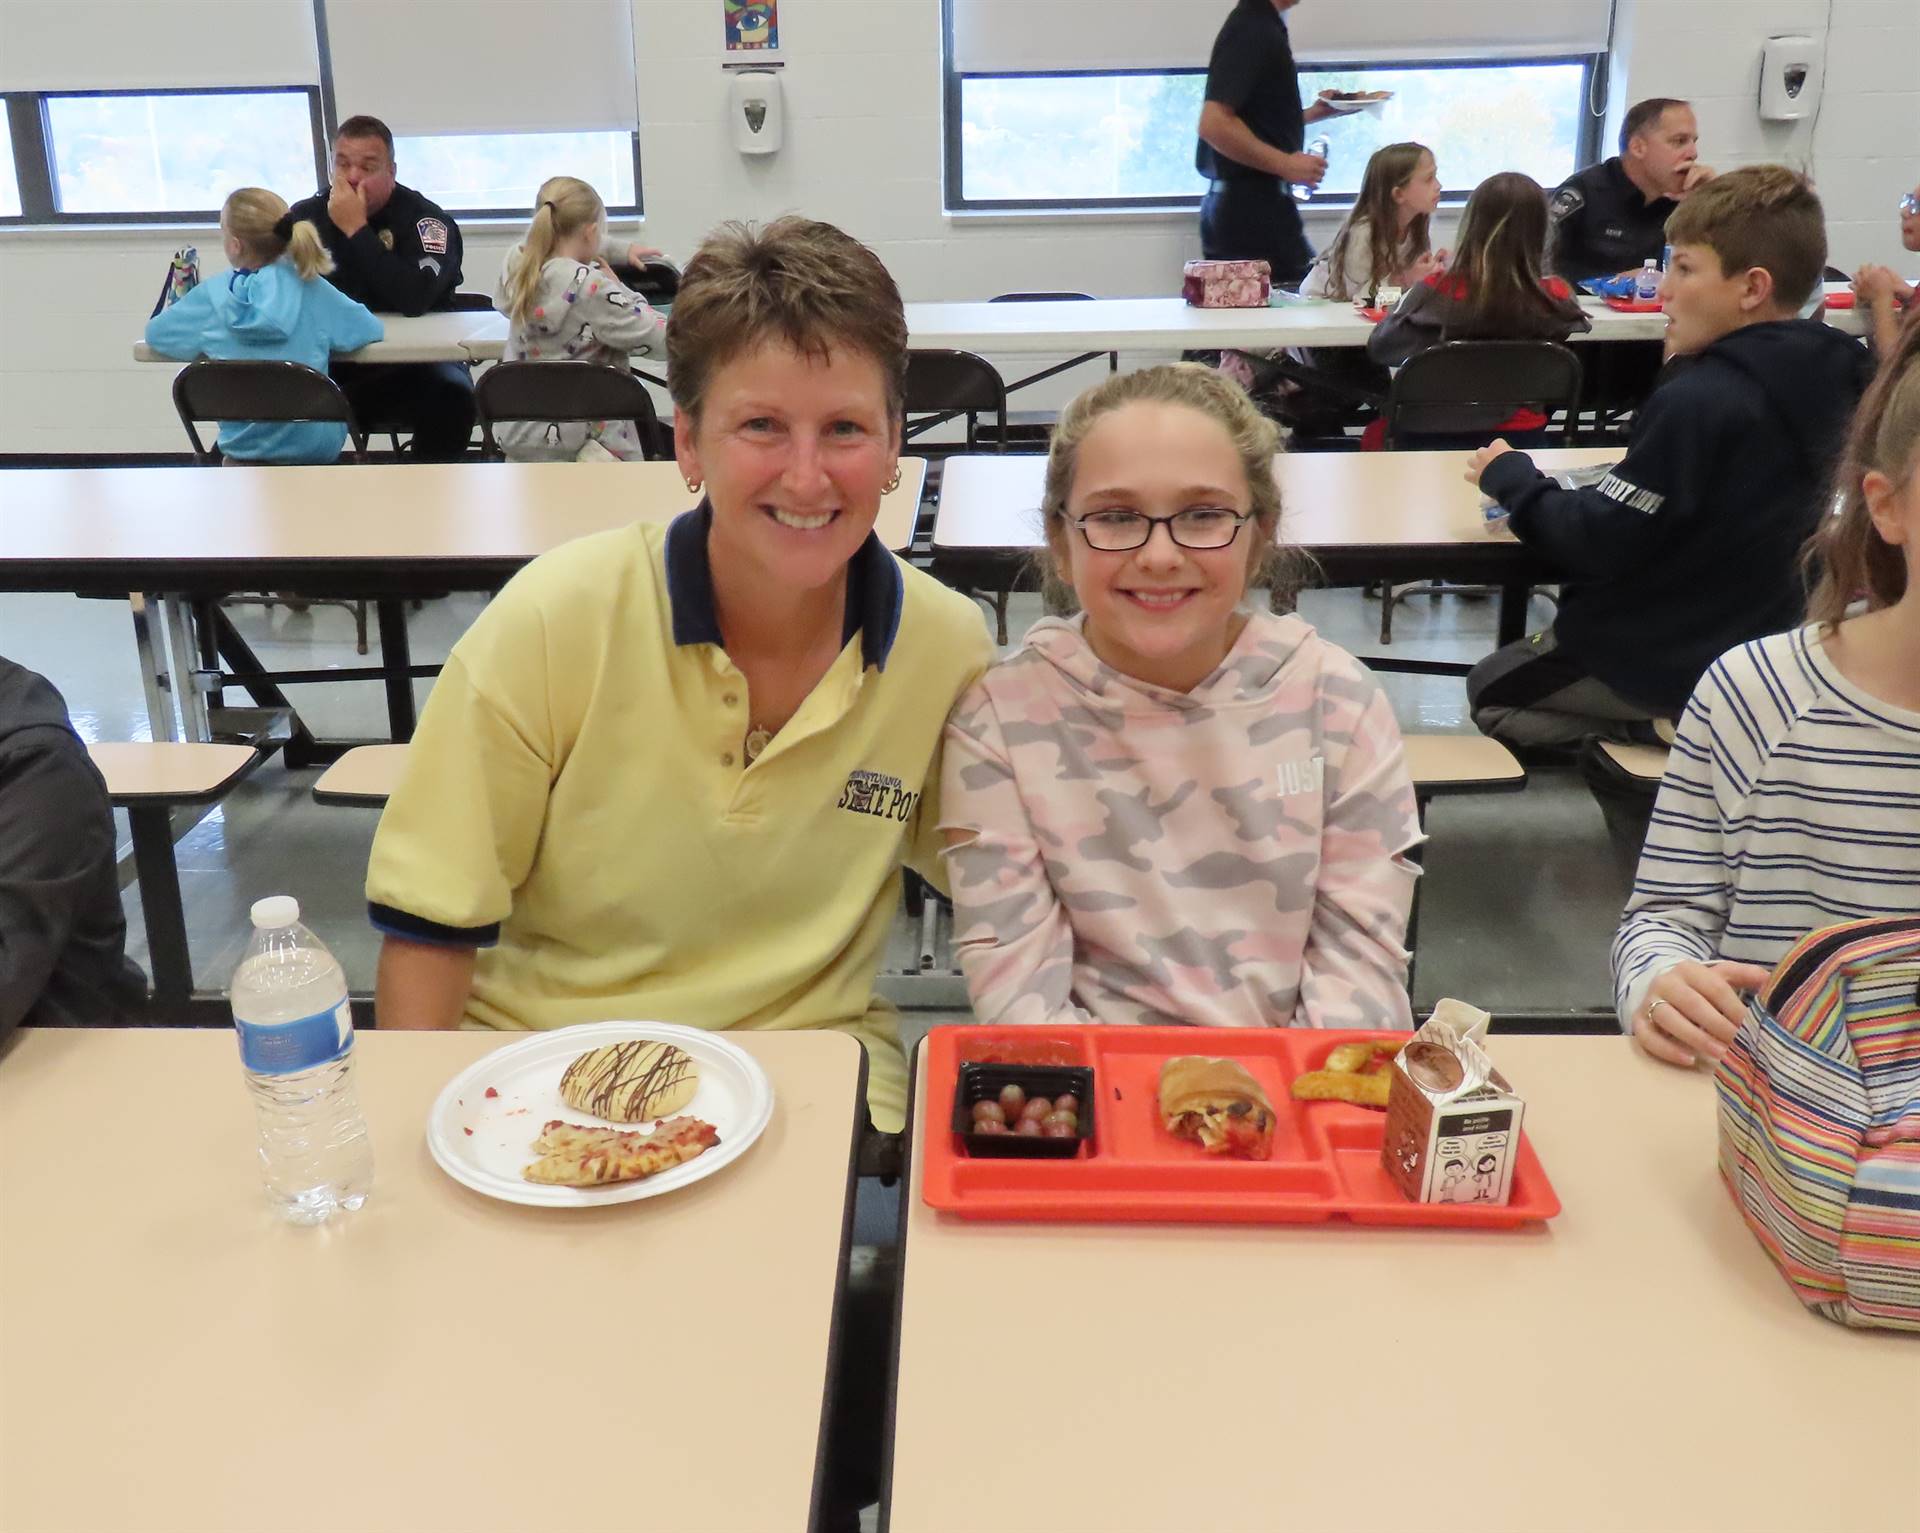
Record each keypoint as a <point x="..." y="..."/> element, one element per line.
<point x="1251" y="131"/>
<point x="397" y="253"/>
<point x="1611" y="218"/>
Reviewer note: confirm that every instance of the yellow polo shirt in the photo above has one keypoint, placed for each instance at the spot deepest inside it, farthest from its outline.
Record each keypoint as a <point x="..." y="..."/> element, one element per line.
<point x="575" y="804"/>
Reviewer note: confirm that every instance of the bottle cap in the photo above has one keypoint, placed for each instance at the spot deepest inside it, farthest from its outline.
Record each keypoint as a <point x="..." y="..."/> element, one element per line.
<point x="274" y="911"/>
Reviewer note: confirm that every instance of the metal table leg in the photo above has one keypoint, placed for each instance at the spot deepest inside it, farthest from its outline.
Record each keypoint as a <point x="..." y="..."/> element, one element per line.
<point x="155" y="677"/>
<point x="396" y="662"/>
<point x="160" y="904"/>
<point x="186" y="669"/>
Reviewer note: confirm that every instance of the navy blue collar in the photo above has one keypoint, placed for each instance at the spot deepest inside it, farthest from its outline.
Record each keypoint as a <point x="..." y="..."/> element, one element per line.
<point x="875" y="590"/>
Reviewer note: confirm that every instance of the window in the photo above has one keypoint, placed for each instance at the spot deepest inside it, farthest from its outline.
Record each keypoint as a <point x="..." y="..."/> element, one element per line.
<point x="177" y="152"/>
<point x="9" y="183"/>
<point x="499" y="173"/>
<point x="1127" y="139"/>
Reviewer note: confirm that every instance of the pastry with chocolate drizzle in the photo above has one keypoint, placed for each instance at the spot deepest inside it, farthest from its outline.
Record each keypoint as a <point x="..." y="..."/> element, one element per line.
<point x="630" y="1082"/>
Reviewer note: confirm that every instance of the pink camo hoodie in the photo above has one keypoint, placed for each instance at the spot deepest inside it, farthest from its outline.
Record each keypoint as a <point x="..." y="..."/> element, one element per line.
<point x="1235" y="856"/>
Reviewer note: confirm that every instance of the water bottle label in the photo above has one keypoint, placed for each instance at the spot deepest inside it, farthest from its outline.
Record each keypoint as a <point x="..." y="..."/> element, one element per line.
<point x="284" y="1048"/>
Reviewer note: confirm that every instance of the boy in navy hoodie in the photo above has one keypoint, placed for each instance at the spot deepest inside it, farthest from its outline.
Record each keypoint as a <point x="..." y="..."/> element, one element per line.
<point x="1690" y="545"/>
<point x="63" y="937"/>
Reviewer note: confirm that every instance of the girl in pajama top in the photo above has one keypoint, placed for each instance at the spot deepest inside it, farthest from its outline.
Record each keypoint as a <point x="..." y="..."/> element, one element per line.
<point x="1169" y="808"/>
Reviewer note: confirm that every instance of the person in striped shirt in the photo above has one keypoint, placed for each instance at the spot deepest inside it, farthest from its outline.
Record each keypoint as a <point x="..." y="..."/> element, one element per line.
<point x="1792" y="795"/>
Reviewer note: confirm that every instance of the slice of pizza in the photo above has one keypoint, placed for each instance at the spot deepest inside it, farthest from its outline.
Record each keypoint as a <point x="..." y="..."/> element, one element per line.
<point x="573" y="1156"/>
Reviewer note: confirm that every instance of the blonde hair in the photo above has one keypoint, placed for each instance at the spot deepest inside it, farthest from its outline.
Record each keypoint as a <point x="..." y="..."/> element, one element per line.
<point x="566" y="206"/>
<point x="253" y="216"/>
<point x="1848" y="554"/>
<point x="1255" y="441"/>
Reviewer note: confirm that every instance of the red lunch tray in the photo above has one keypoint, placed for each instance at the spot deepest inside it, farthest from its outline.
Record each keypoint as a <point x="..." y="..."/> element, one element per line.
<point x="1838" y="301"/>
<point x="1633" y="305"/>
<point x="1326" y="1155"/>
<point x="1376" y="315"/>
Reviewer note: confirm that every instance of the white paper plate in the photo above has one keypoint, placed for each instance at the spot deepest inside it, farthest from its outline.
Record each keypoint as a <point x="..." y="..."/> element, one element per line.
<point x="735" y="1096"/>
<point x="1348" y="108"/>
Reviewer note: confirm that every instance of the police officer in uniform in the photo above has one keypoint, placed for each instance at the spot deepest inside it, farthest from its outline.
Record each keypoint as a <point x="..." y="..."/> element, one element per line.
<point x="1611" y="218"/>
<point x="397" y="253"/>
<point x="1251" y="131"/>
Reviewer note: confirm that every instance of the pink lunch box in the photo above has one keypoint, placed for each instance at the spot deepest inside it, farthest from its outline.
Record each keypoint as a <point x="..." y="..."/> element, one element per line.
<point x="1227" y="284"/>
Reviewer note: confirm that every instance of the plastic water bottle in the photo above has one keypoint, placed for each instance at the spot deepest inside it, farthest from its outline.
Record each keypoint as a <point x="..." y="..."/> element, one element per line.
<point x="1321" y="146"/>
<point x="290" y="1009"/>
<point x="1646" y="286"/>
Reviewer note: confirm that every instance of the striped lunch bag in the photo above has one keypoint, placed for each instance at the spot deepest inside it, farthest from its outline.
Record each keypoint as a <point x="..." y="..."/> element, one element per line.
<point x="1820" y="1120"/>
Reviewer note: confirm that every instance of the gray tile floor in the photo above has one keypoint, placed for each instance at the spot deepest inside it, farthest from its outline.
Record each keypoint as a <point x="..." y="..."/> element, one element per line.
<point x="1519" y="899"/>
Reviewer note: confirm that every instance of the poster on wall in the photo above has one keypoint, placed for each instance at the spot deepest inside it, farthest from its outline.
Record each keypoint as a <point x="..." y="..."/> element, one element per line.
<point x="753" y="26"/>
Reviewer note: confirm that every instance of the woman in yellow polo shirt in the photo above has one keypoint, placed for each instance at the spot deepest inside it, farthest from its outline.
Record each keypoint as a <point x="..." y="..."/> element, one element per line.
<point x="672" y="772"/>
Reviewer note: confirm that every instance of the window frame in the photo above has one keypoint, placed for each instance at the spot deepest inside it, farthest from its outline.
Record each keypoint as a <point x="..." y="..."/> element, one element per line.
<point x="31" y="131"/>
<point x="1586" y="149"/>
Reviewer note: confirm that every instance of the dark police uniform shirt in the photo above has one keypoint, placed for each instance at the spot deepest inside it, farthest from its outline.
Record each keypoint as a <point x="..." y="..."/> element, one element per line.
<point x="406" y="260"/>
<point x="1602" y="224"/>
<point x="1252" y="74"/>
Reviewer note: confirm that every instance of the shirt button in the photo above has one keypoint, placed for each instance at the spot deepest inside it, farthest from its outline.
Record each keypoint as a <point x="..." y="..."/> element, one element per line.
<point x="732" y="699"/>
<point x="726" y="758"/>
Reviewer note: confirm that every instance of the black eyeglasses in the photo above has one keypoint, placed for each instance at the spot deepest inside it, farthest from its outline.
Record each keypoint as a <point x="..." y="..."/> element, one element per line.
<point x="1115" y="532"/>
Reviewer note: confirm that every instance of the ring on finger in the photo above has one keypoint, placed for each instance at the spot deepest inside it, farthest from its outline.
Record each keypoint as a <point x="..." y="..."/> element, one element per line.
<point x="1654" y="1005"/>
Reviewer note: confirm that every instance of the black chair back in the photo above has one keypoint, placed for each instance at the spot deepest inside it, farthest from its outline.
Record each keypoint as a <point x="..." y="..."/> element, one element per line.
<point x="563" y="393"/>
<point x="254" y="391"/>
<point x="1467" y="387"/>
<point x="944" y="384"/>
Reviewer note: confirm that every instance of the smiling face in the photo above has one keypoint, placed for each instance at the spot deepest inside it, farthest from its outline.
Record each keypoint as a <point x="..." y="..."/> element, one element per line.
<point x="365" y="164"/>
<point x="1421" y="194"/>
<point x="794" y="452"/>
<point x="1160" y="613"/>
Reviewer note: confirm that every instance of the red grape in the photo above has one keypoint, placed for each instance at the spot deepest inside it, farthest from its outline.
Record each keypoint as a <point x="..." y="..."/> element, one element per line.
<point x="1066" y="1102"/>
<point x="1028" y="1128"/>
<point x="984" y="1112"/>
<point x="989" y="1126"/>
<point x="1058" y="1127"/>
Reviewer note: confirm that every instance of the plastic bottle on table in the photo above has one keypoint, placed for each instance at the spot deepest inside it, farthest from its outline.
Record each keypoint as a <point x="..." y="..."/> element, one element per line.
<point x="1646" y="286"/>
<point x="1322" y="147"/>
<point x="289" y="1000"/>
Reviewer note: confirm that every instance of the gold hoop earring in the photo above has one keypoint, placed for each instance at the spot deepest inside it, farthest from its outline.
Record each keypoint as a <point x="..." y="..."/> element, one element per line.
<point x="693" y="486"/>
<point x="892" y="484"/>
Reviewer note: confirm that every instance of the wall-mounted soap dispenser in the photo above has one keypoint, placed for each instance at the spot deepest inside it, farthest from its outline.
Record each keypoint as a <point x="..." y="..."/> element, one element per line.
<point x="1790" y="69"/>
<point x="759" y="123"/>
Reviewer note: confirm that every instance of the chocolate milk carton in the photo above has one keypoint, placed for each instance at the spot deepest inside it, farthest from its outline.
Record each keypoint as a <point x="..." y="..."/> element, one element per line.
<point x="1453" y="1122"/>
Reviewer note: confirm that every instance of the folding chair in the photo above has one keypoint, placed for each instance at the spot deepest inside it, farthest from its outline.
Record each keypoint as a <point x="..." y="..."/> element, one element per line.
<point x="1448" y="391"/>
<point x="942" y="386"/>
<point x="562" y="393"/>
<point x="289" y="392"/>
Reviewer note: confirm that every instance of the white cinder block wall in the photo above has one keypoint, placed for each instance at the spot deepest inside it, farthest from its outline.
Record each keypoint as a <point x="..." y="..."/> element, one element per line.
<point x="863" y="148"/>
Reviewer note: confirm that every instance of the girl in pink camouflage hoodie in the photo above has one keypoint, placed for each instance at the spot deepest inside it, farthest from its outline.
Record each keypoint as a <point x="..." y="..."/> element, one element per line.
<point x="1167" y="809"/>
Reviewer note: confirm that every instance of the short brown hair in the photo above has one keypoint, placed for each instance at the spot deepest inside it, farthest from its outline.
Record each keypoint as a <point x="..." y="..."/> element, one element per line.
<point x="1848" y="556"/>
<point x="366" y="127"/>
<point x="1760" y="215"/>
<point x="1643" y="115"/>
<point x="1255" y="438"/>
<point x="815" y="286"/>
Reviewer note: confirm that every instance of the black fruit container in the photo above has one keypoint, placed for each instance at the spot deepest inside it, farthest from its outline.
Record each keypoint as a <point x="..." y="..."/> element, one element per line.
<point x="984" y="1083"/>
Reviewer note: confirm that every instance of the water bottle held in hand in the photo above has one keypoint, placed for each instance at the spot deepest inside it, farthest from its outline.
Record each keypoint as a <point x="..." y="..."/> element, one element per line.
<point x="1321" y="147"/>
<point x="290" y="1011"/>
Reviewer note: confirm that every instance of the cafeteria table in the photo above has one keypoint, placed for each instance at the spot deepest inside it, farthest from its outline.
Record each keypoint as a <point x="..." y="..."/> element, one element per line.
<point x="1636" y="1362"/>
<point x="387" y="531"/>
<point x="173" y="1358"/>
<point x="436" y="337"/>
<point x="1361" y="516"/>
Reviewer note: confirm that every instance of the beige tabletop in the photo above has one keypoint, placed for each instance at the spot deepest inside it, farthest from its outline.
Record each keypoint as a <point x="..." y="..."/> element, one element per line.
<point x="991" y="503"/>
<point x="173" y="771"/>
<point x="1636" y="1364"/>
<point x="436" y="337"/>
<point x="171" y="1358"/>
<point x="371" y="511"/>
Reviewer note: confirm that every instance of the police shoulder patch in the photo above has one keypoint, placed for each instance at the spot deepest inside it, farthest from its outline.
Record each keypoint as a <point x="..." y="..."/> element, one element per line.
<point x="1566" y="201"/>
<point x="433" y="236"/>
